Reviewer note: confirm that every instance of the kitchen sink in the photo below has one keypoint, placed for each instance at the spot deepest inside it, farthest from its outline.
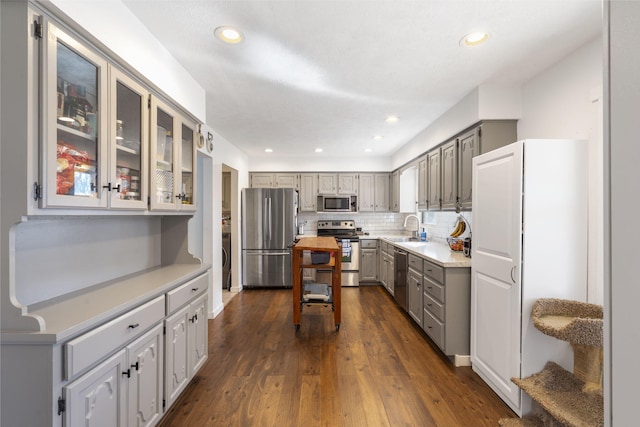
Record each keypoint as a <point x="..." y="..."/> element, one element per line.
<point x="413" y="243"/>
<point x="403" y="239"/>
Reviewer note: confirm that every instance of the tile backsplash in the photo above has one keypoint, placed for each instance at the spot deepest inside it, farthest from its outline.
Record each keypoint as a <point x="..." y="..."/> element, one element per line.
<point x="438" y="225"/>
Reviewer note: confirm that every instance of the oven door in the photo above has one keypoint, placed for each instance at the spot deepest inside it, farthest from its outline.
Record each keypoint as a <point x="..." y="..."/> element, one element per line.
<point x="350" y="274"/>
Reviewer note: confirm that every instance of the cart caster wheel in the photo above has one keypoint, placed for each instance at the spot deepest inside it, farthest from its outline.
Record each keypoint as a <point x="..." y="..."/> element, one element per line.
<point x="337" y="327"/>
<point x="297" y="327"/>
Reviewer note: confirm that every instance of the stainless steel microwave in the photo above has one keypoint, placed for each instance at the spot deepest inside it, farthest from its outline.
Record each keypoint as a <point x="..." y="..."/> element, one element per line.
<point x="337" y="204"/>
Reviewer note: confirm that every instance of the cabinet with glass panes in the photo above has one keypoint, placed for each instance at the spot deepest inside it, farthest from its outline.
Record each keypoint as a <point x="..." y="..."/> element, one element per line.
<point x="97" y="148"/>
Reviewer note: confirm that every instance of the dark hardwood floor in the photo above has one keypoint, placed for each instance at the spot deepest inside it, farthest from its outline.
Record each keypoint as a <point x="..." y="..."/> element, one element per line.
<point x="378" y="370"/>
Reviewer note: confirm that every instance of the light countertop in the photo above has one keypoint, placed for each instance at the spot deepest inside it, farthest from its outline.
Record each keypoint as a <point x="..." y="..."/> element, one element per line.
<point x="437" y="252"/>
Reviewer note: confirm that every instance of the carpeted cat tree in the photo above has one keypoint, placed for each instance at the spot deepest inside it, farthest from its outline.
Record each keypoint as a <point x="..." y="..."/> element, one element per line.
<point x="567" y="399"/>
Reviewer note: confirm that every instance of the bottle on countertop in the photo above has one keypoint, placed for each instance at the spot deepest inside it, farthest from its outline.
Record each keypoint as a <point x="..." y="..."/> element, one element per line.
<point x="423" y="235"/>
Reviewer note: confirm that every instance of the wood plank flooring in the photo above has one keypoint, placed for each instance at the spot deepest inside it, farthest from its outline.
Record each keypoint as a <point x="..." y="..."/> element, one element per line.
<point x="379" y="369"/>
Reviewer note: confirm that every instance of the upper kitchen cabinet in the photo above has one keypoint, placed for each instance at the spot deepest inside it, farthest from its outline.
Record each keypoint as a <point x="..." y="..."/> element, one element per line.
<point x="449" y="179"/>
<point x="308" y="192"/>
<point x="422" y="183"/>
<point x="129" y="137"/>
<point x="337" y="183"/>
<point x="173" y="159"/>
<point x="74" y="147"/>
<point x="480" y="139"/>
<point x="373" y="190"/>
<point x="395" y="191"/>
<point x="433" y="180"/>
<point x="273" y="180"/>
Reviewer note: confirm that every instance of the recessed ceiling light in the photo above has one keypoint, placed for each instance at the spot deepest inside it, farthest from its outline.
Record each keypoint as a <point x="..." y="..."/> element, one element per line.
<point x="318" y="150"/>
<point x="391" y="119"/>
<point x="368" y="150"/>
<point x="474" y="39"/>
<point x="268" y="150"/>
<point x="377" y="137"/>
<point x="229" y="35"/>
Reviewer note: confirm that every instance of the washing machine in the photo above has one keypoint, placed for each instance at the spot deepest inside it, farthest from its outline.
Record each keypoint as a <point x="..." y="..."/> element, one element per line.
<point x="226" y="261"/>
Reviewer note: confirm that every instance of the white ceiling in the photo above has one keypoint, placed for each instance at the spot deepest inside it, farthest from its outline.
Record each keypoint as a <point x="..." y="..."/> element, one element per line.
<point x="321" y="73"/>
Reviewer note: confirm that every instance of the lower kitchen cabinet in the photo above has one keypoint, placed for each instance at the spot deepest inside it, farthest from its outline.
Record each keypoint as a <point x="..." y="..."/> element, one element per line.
<point x="145" y="375"/>
<point x="447" y="306"/>
<point x="124" y="390"/>
<point x="414" y="288"/>
<point x="98" y="398"/>
<point x="368" y="260"/>
<point x="186" y="346"/>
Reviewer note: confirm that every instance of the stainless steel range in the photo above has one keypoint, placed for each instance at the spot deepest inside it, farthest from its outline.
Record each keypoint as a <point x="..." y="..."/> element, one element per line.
<point x="344" y="230"/>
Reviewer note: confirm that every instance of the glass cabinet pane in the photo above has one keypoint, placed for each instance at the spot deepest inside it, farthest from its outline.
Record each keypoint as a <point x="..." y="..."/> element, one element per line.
<point x="128" y="139"/>
<point x="188" y="136"/>
<point x="77" y="124"/>
<point x="164" y="158"/>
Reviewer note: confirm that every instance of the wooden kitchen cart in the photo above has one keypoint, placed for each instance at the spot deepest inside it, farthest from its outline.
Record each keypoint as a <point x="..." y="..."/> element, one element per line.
<point x="302" y="259"/>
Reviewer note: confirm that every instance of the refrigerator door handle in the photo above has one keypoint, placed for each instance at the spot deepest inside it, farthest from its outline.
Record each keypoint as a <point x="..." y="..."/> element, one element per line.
<point x="265" y="219"/>
<point x="270" y="223"/>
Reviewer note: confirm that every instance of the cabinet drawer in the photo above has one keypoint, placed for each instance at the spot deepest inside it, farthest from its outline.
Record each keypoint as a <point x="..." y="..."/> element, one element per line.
<point x="434" y="271"/>
<point x="181" y="295"/>
<point x="434" y="307"/>
<point x="433" y="328"/>
<point x="434" y="289"/>
<point x="415" y="262"/>
<point x="368" y="244"/>
<point x="86" y="350"/>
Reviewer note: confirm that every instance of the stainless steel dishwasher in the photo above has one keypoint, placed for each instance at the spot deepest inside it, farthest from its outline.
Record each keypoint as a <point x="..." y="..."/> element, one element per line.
<point x="400" y="274"/>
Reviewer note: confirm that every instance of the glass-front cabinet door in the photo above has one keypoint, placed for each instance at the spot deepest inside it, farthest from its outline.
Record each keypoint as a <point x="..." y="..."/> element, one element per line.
<point x="129" y="142"/>
<point x="188" y="166"/>
<point x="165" y="190"/>
<point x="75" y="116"/>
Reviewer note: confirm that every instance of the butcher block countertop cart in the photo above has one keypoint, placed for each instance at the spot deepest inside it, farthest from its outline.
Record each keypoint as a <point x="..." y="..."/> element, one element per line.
<point x="308" y="253"/>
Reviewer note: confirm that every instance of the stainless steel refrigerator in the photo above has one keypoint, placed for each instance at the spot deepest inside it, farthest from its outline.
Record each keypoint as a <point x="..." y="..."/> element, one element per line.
<point x="269" y="224"/>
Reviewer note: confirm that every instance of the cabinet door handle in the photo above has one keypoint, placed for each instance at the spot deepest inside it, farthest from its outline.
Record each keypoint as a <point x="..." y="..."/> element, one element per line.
<point x="127" y="373"/>
<point x="136" y="365"/>
<point x="134" y="326"/>
<point x="194" y="289"/>
<point x="513" y="269"/>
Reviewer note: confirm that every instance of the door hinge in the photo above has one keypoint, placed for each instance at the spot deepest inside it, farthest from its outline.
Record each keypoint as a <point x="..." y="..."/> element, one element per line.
<point x="62" y="405"/>
<point x="149" y="102"/>
<point x="37" y="30"/>
<point x="37" y="191"/>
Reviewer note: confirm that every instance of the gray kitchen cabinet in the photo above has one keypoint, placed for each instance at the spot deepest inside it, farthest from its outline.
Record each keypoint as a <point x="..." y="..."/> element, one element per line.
<point x="308" y="192"/>
<point x="480" y="139"/>
<point x="414" y="289"/>
<point x="446" y="307"/>
<point x="337" y="183"/>
<point x="327" y="183"/>
<point x="381" y="195"/>
<point x="433" y="180"/>
<point x="395" y="191"/>
<point x="422" y="184"/>
<point x="273" y="180"/>
<point x="367" y="192"/>
<point x="373" y="193"/>
<point x="449" y="174"/>
<point x="260" y="180"/>
<point x="368" y="260"/>
<point x="347" y="183"/>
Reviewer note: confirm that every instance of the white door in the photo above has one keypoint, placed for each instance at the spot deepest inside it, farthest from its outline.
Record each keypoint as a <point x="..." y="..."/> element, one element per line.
<point x="495" y="272"/>
<point x="145" y="383"/>
<point x="97" y="398"/>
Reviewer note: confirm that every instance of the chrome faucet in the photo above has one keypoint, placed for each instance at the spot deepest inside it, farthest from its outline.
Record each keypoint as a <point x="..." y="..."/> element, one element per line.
<point x="417" y="232"/>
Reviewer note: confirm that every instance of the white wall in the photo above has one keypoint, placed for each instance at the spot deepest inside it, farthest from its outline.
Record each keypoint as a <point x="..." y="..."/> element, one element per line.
<point x="565" y="102"/>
